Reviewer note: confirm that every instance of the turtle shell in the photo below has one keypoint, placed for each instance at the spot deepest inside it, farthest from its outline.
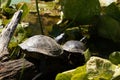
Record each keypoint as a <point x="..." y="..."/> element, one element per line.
<point x="74" y="46"/>
<point x="43" y="45"/>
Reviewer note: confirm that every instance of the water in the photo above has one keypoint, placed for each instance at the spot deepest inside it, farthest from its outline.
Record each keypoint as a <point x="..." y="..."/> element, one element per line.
<point x="17" y="1"/>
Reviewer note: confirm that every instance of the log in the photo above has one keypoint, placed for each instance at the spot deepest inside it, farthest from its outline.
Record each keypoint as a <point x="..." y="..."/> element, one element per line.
<point x="19" y="69"/>
<point x="11" y="70"/>
<point x="7" y="33"/>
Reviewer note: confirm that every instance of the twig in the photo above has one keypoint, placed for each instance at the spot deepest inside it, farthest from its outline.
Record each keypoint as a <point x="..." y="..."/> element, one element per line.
<point x="39" y="17"/>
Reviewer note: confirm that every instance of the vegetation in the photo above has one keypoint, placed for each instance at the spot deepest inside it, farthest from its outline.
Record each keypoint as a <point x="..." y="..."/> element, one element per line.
<point x="100" y="24"/>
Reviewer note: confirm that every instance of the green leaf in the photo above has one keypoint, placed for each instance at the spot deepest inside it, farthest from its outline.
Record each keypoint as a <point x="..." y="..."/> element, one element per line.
<point x="108" y="28"/>
<point x="115" y="57"/>
<point x="113" y="10"/>
<point x="9" y="11"/>
<point x="81" y="11"/>
<point x="23" y="6"/>
<point x="87" y="54"/>
<point x="5" y="3"/>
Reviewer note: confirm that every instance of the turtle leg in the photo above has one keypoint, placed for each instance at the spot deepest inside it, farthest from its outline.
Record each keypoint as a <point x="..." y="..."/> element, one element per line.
<point x="41" y="68"/>
<point x="42" y="65"/>
<point x="37" y="76"/>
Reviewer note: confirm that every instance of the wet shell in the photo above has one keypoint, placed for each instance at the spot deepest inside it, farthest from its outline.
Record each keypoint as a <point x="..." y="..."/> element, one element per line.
<point x="74" y="46"/>
<point x="42" y="44"/>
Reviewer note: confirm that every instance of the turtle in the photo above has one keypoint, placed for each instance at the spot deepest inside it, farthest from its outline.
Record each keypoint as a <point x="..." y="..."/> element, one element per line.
<point x="74" y="49"/>
<point x="74" y="46"/>
<point x="42" y="49"/>
<point x="41" y="44"/>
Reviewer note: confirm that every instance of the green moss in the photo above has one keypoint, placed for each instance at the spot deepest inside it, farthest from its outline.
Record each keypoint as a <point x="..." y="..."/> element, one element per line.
<point x="96" y="68"/>
<point x="67" y="75"/>
<point x="80" y="69"/>
<point x="80" y="76"/>
<point x="63" y="76"/>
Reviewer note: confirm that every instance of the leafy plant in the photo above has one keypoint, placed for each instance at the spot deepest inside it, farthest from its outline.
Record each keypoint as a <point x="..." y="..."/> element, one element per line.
<point x="20" y="34"/>
<point x="115" y="57"/>
<point x="108" y="28"/>
<point x="23" y="6"/>
<point x="81" y="11"/>
<point x="8" y="10"/>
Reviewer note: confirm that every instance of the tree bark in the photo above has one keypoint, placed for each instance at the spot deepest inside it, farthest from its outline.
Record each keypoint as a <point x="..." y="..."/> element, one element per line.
<point x="16" y="70"/>
<point x="7" y="33"/>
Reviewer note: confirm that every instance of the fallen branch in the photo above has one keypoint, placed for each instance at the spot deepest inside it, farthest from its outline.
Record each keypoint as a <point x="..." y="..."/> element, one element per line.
<point x="12" y="70"/>
<point x="7" y="33"/>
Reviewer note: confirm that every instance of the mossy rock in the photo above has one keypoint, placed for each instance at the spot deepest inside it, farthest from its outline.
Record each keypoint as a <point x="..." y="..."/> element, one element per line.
<point x="65" y="75"/>
<point x="96" y="68"/>
<point x="80" y="76"/>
